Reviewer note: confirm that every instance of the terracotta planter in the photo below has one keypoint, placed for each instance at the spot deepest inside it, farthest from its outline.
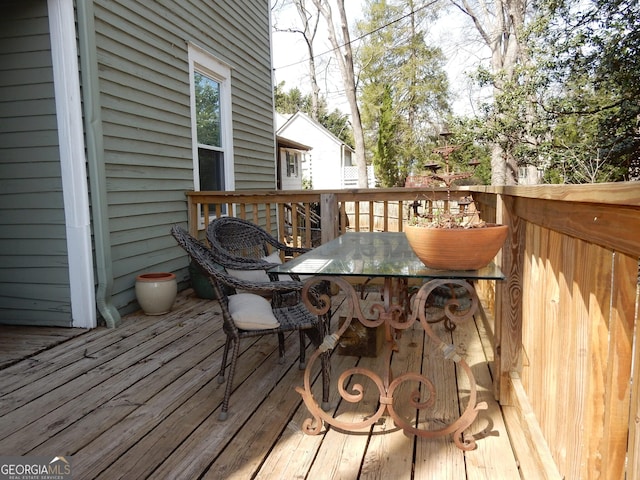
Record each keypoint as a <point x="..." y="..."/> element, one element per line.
<point x="456" y="248"/>
<point x="156" y="292"/>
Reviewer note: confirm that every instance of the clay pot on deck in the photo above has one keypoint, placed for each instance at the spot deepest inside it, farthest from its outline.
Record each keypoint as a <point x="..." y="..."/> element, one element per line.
<point x="456" y="248"/>
<point x="156" y="292"/>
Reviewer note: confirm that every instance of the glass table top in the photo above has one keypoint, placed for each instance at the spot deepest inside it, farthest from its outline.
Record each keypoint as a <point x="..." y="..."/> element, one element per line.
<point x="374" y="254"/>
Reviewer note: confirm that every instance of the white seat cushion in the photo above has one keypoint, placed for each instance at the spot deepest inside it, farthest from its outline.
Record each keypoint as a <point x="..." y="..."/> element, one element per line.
<point x="251" y="312"/>
<point x="275" y="258"/>
<point x="255" y="276"/>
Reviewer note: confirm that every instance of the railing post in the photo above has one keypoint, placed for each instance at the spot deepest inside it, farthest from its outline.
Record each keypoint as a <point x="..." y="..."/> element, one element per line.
<point x="328" y="216"/>
<point x="508" y="354"/>
<point x="192" y="216"/>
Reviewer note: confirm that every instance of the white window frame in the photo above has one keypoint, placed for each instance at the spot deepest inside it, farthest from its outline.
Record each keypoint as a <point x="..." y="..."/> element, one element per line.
<point x="295" y="154"/>
<point x="204" y="62"/>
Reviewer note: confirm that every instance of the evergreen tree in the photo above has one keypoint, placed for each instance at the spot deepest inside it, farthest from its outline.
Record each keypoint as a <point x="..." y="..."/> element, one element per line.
<point x="387" y="169"/>
<point x="596" y="46"/>
<point x="292" y="101"/>
<point x="395" y="62"/>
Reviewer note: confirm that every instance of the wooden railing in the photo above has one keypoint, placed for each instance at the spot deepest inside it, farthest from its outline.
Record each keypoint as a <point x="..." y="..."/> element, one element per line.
<point x="564" y="322"/>
<point x="338" y="210"/>
<point x="567" y="323"/>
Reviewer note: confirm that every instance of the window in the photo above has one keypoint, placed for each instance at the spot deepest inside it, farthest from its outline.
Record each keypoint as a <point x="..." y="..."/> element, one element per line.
<point x="292" y="163"/>
<point x="348" y="160"/>
<point x="211" y="121"/>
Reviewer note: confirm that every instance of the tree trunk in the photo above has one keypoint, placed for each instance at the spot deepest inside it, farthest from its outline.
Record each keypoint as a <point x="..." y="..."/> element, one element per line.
<point x="344" y="57"/>
<point x="309" y="34"/>
<point x="499" y="31"/>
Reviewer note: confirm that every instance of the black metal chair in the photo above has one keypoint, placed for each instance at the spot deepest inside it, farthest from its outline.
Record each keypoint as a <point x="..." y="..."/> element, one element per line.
<point x="291" y="315"/>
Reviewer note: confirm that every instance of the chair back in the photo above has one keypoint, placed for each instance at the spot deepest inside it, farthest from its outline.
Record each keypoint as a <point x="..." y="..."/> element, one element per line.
<point x="202" y="256"/>
<point x="240" y="241"/>
<point x="205" y="258"/>
<point x="239" y="238"/>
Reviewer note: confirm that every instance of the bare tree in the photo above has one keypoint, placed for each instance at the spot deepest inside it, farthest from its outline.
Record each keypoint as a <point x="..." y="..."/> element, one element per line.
<point x="310" y="23"/>
<point x="341" y="45"/>
<point x="498" y="23"/>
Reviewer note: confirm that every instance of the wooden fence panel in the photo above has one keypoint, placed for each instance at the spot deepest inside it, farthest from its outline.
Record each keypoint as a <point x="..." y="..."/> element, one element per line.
<point x="577" y="352"/>
<point x="598" y="269"/>
<point x="618" y="387"/>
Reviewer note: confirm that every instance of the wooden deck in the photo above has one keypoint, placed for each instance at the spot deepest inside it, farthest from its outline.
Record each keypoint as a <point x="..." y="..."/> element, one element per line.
<point x="141" y="401"/>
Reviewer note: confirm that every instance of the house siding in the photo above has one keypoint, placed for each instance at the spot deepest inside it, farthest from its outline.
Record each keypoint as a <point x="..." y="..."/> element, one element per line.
<point x="144" y="81"/>
<point x="34" y="275"/>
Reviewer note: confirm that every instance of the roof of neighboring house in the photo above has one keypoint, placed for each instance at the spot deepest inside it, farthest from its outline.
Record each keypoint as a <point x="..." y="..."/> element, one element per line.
<point x="287" y="143"/>
<point x="283" y="121"/>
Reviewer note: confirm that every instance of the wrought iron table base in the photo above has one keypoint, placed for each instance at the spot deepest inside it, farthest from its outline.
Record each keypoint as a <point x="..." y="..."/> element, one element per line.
<point x="393" y="317"/>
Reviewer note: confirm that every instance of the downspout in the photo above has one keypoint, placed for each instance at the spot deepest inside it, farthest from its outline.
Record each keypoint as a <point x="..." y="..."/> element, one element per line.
<point x="95" y="160"/>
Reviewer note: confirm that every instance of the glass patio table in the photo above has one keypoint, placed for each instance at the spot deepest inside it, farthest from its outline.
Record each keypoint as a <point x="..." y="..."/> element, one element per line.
<point x="388" y="255"/>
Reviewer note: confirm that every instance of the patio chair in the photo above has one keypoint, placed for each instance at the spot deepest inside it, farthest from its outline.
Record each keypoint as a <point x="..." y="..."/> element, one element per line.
<point x="247" y="249"/>
<point x="243" y="249"/>
<point x="250" y="315"/>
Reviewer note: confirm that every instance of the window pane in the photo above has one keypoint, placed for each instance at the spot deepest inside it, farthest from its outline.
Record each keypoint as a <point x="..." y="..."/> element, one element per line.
<point x="208" y="110"/>
<point x="347" y="159"/>
<point x="291" y="165"/>
<point x="211" y="164"/>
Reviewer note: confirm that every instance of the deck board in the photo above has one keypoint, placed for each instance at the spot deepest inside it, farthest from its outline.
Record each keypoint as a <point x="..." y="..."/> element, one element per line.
<point x="390" y="452"/>
<point x="89" y="384"/>
<point x="18" y="342"/>
<point x="142" y="401"/>
<point x="493" y="457"/>
<point x="439" y="457"/>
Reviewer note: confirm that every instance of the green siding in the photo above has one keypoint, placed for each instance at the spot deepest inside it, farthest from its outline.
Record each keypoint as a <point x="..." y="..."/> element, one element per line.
<point x="34" y="280"/>
<point x="144" y="83"/>
<point x="145" y="112"/>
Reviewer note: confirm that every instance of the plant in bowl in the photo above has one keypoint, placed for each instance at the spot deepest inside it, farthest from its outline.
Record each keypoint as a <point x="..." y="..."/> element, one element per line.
<point x="448" y="244"/>
<point x="447" y="240"/>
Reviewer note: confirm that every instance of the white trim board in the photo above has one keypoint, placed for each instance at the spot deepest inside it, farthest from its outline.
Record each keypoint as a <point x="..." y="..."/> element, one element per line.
<point x="72" y="161"/>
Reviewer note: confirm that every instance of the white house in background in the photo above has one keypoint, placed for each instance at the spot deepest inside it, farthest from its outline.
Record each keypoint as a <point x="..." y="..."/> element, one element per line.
<point x="530" y="175"/>
<point x="328" y="165"/>
<point x="291" y="156"/>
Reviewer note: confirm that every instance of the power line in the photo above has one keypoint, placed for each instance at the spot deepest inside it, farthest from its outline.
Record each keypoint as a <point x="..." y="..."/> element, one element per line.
<point x="364" y="35"/>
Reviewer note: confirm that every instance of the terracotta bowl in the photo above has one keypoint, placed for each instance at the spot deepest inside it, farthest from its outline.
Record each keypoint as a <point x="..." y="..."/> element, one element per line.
<point x="456" y="248"/>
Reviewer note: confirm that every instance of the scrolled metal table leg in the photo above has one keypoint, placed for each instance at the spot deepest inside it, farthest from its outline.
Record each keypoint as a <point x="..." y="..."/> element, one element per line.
<point x="449" y="352"/>
<point x="387" y="385"/>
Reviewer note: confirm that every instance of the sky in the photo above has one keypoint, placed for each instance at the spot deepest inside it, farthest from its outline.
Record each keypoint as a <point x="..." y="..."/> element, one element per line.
<point x="290" y="57"/>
